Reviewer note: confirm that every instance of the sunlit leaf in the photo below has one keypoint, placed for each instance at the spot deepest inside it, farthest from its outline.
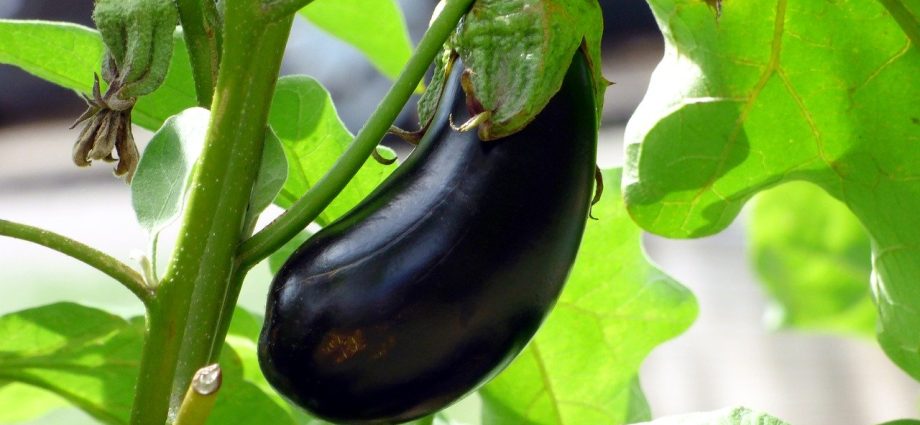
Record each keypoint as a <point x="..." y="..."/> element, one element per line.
<point x="616" y="307"/>
<point x="68" y="55"/>
<point x="21" y="402"/>
<point x="91" y="359"/>
<point x="375" y="27"/>
<point x="159" y="185"/>
<point x="87" y="356"/>
<point x="813" y="258"/>
<point x="305" y="120"/>
<point x="763" y="95"/>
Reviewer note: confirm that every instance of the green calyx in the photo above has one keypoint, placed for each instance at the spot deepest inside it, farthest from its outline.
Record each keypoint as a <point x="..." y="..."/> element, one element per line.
<point x="138" y="38"/>
<point x="516" y="53"/>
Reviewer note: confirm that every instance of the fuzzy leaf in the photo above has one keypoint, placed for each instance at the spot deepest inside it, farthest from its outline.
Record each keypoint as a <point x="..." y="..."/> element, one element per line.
<point x="538" y="40"/>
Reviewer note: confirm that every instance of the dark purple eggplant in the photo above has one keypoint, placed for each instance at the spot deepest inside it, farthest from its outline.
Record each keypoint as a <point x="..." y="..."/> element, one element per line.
<point x="435" y="282"/>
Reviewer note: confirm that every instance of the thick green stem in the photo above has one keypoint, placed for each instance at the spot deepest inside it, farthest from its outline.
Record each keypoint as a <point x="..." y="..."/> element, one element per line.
<point x="182" y="327"/>
<point x="202" y="31"/>
<point x="125" y="275"/>
<point x="307" y="208"/>
<point x="282" y="9"/>
<point x="905" y="19"/>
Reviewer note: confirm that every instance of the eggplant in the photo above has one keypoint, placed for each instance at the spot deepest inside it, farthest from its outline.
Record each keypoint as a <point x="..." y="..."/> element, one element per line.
<point x="440" y="277"/>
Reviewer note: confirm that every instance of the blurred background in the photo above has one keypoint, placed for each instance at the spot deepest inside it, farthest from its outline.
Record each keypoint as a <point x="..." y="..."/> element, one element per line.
<point x="727" y="358"/>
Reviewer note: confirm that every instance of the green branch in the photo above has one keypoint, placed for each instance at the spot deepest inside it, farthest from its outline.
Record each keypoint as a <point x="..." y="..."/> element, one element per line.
<point x="906" y="20"/>
<point x="280" y="9"/>
<point x="307" y="208"/>
<point x="202" y="31"/>
<point x="125" y="275"/>
<point x="193" y="293"/>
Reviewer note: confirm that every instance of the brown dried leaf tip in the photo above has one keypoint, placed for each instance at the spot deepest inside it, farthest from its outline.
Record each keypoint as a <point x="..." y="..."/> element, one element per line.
<point x="107" y="131"/>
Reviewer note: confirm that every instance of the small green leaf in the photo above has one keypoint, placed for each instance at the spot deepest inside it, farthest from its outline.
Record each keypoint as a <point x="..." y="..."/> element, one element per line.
<point x="814" y="259"/>
<point x="272" y="175"/>
<point x="304" y="118"/>
<point x="69" y="55"/>
<point x="161" y="182"/>
<point x="375" y="27"/>
<point x="87" y="356"/>
<point x="733" y="416"/>
<point x="616" y="307"/>
<point x="159" y="185"/>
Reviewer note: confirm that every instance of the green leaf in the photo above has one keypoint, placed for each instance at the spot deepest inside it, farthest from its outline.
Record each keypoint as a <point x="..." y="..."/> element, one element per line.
<point x="272" y="175"/>
<point x="243" y="402"/>
<point x="161" y="181"/>
<point x="243" y="338"/>
<point x="733" y="416"/>
<point x="304" y="118"/>
<point x="159" y="185"/>
<point x="375" y="27"/>
<point x="91" y="358"/>
<point x="616" y="307"/>
<point x="21" y="402"/>
<point x="815" y="266"/>
<point x="87" y="356"/>
<point x="761" y="96"/>
<point x="69" y="55"/>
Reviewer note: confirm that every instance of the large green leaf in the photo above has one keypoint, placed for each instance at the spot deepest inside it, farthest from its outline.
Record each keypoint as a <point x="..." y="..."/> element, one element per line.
<point x="732" y="416"/>
<point x="815" y="266"/>
<point x="304" y="118"/>
<point x="69" y="55"/>
<point x="91" y="358"/>
<point x="763" y="95"/>
<point x="21" y="402"/>
<point x="582" y="365"/>
<point x="86" y="356"/>
<point x="375" y="27"/>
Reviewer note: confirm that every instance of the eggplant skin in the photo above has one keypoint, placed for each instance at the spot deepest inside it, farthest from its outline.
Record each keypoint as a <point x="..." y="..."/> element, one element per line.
<point x="439" y="278"/>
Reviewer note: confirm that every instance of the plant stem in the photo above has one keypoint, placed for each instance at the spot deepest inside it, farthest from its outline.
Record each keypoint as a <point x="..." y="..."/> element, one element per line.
<point x="307" y="208"/>
<point x="281" y="9"/>
<point x="200" y="398"/>
<point x="906" y="20"/>
<point x="119" y="271"/>
<point x="202" y="31"/>
<point x="181" y="328"/>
